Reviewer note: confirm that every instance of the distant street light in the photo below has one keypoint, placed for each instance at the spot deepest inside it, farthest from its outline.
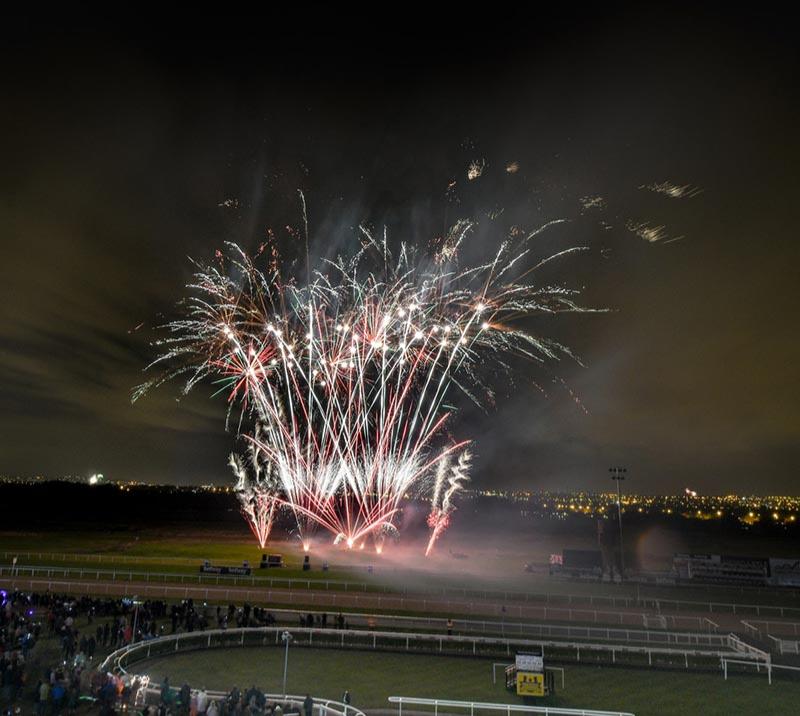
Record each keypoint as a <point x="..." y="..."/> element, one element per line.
<point x="618" y="474"/>
<point x="287" y="637"/>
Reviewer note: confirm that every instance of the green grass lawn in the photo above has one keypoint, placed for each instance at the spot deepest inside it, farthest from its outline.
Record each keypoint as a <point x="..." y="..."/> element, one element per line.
<point x="373" y="677"/>
<point x="161" y="551"/>
<point x="180" y="552"/>
<point x="159" y="546"/>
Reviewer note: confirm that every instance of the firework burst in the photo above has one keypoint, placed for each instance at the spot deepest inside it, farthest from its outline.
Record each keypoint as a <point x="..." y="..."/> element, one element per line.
<point x="340" y="384"/>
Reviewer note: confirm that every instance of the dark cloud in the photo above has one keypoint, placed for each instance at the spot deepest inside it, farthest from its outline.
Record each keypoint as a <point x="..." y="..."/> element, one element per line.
<point x="118" y="153"/>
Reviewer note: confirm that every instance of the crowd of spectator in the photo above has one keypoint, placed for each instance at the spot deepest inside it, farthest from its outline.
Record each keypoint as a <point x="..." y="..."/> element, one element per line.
<point x="18" y="635"/>
<point x="250" y="702"/>
<point x="66" y="674"/>
<point x="57" y="681"/>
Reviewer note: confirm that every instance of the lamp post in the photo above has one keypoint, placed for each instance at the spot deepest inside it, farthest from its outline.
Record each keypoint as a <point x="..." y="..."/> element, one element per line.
<point x="136" y="603"/>
<point x="286" y="637"/>
<point x="618" y="474"/>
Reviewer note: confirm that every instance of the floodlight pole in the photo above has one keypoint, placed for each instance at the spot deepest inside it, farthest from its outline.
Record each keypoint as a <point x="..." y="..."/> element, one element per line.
<point x="135" y="617"/>
<point x="287" y="637"/>
<point x="618" y="474"/>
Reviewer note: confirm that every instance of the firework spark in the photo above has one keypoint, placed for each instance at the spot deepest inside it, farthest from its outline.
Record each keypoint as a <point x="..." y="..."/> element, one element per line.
<point x="643" y="230"/>
<point x="256" y="492"/>
<point x="344" y="378"/>
<point x="475" y="169"/>
<point x="449" y="480"/>
<point x="592" y="202"/>
<point x="673" y="191"/>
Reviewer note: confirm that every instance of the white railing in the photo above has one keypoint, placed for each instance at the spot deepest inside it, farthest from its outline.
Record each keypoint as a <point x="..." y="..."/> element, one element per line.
<point x="742" y="647"/>
<point x="323" y="707"/>
<point x="528" y="629"/>
<point x="548" y="598"/>
<point x="197" y="577"/>
<point x="508" y="709"/>
<point x="356" y="620"/>
<point x="783" y="667"/>
<point x="785" y="646"/>
<point x="429" y="643"/>
<point x="726" y="660"/>
<point x="659" y="579"/>
<point x="768" y="668"/>
<point x="751" y="629"/>
<point x="343" y="600"/>
<point x="674" y="605"/>
<point x="772" y="627"/>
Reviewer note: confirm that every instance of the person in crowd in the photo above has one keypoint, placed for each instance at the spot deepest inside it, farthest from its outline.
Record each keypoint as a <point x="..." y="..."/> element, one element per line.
<point x="73" y="695"/>
<point x="108" y="697"/>
<point x="202" y="702"/>
<point x="166" y="692"/>
<point x="44" y="697"/>
<point x="234" y="697"/>
<point x="57" y="697"/>
<point x="185" y="699"/>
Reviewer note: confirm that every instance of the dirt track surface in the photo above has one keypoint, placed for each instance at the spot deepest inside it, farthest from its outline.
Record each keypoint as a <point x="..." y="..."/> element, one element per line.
<point x="424" y="605"/>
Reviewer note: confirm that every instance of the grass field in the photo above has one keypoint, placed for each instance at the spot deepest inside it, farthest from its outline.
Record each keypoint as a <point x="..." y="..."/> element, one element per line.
<point x="163" y="551"/>
<point x="373" y="677"/>
<point x="179" y="552"/>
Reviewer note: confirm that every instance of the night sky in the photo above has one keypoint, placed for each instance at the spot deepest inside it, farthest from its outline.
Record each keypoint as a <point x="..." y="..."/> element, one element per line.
<point x="123" y="141"/>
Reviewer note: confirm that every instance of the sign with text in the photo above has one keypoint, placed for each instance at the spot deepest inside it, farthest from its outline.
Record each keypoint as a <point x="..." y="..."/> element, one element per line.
<point x="239" y="571"/>
<point x="530" y="684"/>
<point x="529" y="662"/>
